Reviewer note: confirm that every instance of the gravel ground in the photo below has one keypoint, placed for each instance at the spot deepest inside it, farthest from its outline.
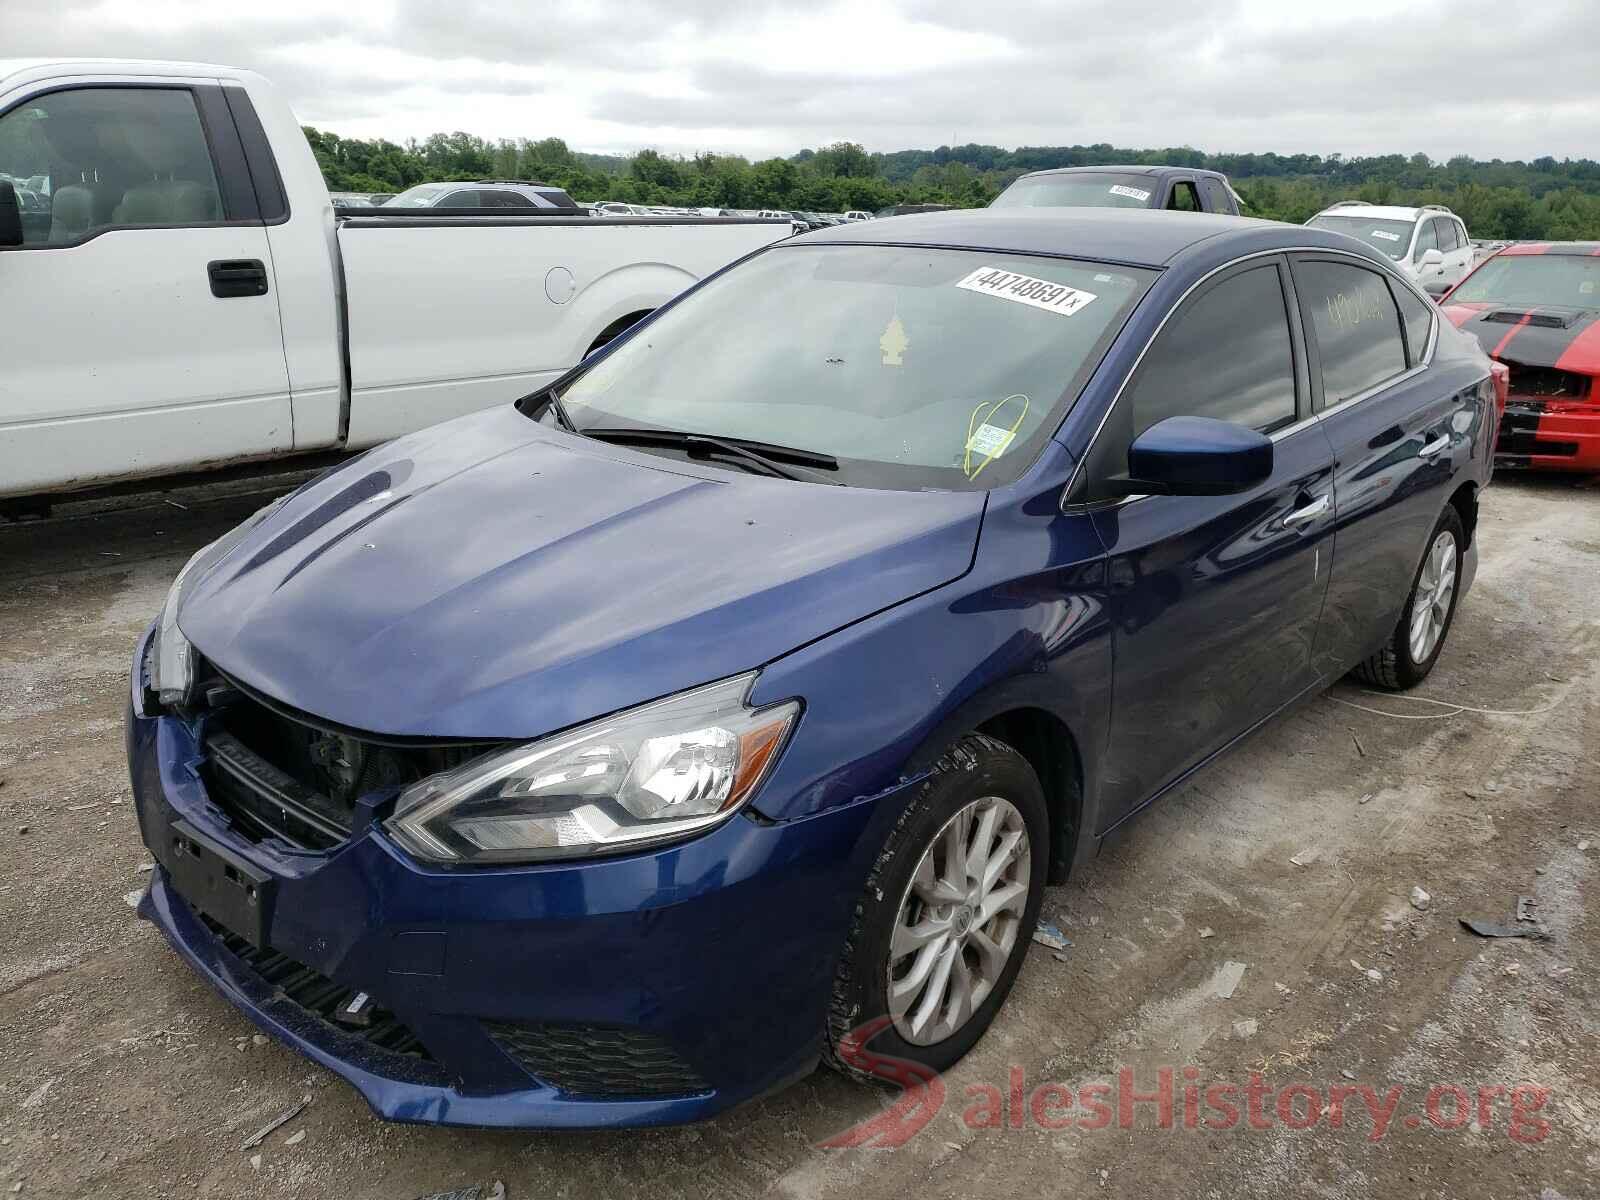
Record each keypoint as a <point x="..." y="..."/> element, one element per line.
<point x="122" y="1075"/>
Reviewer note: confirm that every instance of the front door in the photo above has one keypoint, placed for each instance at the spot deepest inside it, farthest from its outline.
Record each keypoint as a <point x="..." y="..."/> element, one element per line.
<point x="139" y="315"/>
<point x="1214" y="600"/>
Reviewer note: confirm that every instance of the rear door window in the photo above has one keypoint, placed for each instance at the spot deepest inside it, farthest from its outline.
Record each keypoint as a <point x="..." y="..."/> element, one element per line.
<point x="1445" y="230"/>
<point x="1355" y="326"/>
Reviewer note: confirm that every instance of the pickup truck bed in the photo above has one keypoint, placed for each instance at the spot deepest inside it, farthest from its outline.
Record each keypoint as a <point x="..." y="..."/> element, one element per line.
<point x="180" y="294"/>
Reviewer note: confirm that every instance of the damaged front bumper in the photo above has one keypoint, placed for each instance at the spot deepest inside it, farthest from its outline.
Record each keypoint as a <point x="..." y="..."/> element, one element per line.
<point x="1549" y="435"/>
<point x="649" y="989"/>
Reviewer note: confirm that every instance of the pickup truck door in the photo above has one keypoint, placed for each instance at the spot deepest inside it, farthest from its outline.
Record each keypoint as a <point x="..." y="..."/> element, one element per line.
<point x="1214" y="600"/>
<point x="1395" y="435"/>
<point x="139" y="316"/>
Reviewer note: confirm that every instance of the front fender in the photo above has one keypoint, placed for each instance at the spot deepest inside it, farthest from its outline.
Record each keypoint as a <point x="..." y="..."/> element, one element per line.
<point x="886" y="696"/>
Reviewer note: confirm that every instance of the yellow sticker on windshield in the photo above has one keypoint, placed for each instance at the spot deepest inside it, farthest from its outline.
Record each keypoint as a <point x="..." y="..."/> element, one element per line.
<point x="894" y="343"/>
<point x="1025" y="289"/>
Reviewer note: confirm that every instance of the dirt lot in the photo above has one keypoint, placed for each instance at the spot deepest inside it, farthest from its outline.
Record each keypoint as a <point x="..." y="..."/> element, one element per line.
<point x="122" y="1075"/>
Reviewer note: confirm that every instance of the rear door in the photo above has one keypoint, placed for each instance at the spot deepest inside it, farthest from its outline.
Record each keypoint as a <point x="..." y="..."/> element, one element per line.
<point x="1393" y="440"/>
<point x="139" y="315"/>
<point x="1214" y="599"/>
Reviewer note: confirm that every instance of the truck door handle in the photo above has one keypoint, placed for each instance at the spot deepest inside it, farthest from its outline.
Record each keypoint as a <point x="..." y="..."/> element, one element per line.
<point x="1309" y="513"/>
<point x="237" y="277"/>
<point x="1435" y="446"/>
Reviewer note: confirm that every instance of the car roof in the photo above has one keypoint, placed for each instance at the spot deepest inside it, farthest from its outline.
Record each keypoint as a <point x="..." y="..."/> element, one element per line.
<point x="1128" y="170"/>
<point x="1135" y="236"/>
<point x="1382" y="212"/>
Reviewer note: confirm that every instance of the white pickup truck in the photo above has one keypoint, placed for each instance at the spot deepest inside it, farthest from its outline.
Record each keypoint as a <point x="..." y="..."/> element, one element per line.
<point x="179" y="292"/>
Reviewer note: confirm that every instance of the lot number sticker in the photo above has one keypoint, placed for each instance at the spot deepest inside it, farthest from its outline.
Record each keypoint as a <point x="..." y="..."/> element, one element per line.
<point x="1386" y="235"/>
<point x="1025" y="289"/>
<point x="990" y="441"/>
<point x="1133" y="193"/>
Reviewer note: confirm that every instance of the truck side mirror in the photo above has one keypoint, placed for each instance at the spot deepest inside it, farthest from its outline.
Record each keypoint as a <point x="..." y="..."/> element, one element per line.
<point x="10" y="215"/>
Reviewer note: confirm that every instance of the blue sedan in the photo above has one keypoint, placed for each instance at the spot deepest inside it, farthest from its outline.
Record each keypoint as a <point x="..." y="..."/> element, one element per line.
<point x="616" y="756"/>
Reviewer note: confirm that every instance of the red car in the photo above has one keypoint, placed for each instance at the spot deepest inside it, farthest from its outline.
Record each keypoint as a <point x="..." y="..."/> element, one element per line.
<point x="1535" y="307"/>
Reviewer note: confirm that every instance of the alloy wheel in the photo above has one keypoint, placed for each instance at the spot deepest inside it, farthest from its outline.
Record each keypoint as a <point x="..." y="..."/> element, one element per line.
<point x="959" y="920"/>
<point x="1436" y="587"/>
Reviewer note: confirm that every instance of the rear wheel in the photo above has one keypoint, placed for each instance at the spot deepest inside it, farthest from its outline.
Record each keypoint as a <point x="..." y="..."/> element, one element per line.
<point x="943" y="926"/>
<point x="1419" y="635"/>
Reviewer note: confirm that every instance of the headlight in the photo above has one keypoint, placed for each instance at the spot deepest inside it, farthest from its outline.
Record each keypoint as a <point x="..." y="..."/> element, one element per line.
<point x="660" y="771"/>
<point x="171" y="658"/>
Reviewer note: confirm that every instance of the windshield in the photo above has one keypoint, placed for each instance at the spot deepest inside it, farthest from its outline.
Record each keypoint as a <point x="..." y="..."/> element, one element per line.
<point x="1391" y="237"/>
<point x="1079" y="190"/>
<point x="420" y="196"/>
<point x="1563" y="279"/>
<point x="913" y="367"/>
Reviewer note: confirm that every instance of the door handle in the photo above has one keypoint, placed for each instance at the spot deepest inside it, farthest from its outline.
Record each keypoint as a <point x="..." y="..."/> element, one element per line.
<point x="1439" y="443"/>
<point x="1310" y="512"/>
<point x="237" y="277"/>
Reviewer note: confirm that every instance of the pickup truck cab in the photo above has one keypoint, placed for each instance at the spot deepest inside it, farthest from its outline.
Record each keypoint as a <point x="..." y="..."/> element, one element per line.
<point x="181" y="293"/>
<point x="1179" y="188"/>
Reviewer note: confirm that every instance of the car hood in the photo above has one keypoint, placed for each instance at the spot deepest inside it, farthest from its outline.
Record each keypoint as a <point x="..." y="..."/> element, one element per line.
<point x="1548" y="335"/>
<point x="491" y="578"/>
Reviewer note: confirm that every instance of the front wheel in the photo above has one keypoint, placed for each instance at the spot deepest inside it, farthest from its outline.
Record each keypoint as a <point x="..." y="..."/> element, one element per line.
<point x="1419" y="635"/>
<point x="943" y="926"/>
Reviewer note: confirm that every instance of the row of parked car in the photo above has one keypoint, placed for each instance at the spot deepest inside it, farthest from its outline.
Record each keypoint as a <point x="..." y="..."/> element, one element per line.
<point x="525" y="194"/>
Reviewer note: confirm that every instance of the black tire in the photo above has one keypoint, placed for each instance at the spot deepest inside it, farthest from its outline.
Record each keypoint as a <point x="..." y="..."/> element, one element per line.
<point x="975" y="768"/>
<point x="1393" y="668"/>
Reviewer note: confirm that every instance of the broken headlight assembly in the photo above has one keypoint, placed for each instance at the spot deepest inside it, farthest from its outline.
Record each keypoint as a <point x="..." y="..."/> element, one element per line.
<point x="171" y="659"/>
<point x="661" y="771"/>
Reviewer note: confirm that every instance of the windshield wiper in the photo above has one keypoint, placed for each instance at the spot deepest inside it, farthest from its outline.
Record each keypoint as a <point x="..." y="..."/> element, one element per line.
<point x="766" y="459"/>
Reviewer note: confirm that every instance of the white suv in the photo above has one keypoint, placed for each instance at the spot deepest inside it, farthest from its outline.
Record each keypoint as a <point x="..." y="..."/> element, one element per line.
<point x="1429" y="244"/>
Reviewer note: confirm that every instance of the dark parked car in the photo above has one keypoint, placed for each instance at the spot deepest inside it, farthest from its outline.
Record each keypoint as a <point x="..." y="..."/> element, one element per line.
<point x="1182" y="189"/>
<point x="609" y="758"/>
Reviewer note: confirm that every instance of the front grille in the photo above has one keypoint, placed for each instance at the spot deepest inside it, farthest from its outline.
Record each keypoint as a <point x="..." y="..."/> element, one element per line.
<point x="282" y="775"/>
<point x="1547" y="383"/>
<point x="598" y="1061"/>
<point x="320" y="997"/>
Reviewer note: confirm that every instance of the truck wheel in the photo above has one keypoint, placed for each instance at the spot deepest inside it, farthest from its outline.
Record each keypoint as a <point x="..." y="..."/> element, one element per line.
<point x="942" y="928"/>
<point x="615" y="330"/>
<point x="1419" y="635"/>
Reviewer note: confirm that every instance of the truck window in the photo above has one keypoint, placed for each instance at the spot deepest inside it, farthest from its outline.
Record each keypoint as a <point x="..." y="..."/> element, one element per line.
<point x="1217" y="198"/>
<point x="108" y="158"/>
<point x="1184" y="198"/>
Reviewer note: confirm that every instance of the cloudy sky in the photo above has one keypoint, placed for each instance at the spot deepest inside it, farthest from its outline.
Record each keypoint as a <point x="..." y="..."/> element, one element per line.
<point x="1483" y="77"/>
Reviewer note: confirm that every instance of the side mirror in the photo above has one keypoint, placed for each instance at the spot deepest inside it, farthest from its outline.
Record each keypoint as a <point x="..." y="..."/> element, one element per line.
<point x="10" y="215"/>
<point x="1437" y="287"/>
<point x="1196" y="456"/>
<point x="1432" y="258"/>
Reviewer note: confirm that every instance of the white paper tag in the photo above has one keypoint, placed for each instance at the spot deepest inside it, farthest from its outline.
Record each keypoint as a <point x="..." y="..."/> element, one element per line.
<point x="1133" y="193"/>
<point x="1386" y="235"/>
<point x="990" y="440"/>
<point x="1025" y="289"/>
